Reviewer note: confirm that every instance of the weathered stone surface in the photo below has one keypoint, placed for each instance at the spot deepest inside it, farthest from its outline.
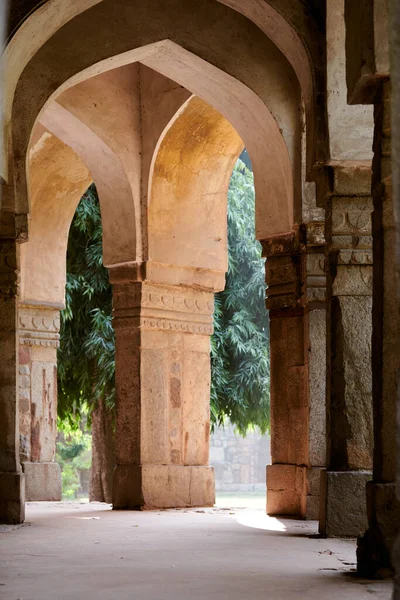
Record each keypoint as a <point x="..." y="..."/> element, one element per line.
<point x="289" y="402"/>
<point x="285" y="489"/>
<point x="374" y="549"/>
<point x="12" y="497"/>
<point x="317" y="387"/>
<point x="283" y="276"/>
<point x="12" y="482"/>
<point x="349" y="320"/>
<point x="313" y="480"/>
<point x="352" y="383"/>
<point x="352" y="180"/>
<point x="162" y="486"/>
<point x="356" y="281"/>
<point x="343" y="503"/>
<point x="38" y="342"/>
<point x="42" y="481"/>
<point x="163" y="391"/>
<point x="316" y="277"/>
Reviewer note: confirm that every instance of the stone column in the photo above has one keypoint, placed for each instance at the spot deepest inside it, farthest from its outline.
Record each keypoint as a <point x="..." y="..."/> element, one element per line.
<point x="12" y="483"/>
<point x="395" y="124"/>
<point x="375" y="547"/>
<point x="296" y="292"/>
<point x="287" y="475"/>
<point x="315" y="301"/>
<point x="39" y="328"/>
<point x="349" y="330"/>
<point x="162" y="394"/>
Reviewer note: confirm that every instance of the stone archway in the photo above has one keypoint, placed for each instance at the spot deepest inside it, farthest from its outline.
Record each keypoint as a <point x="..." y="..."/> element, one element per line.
<point x="257" y="107"/>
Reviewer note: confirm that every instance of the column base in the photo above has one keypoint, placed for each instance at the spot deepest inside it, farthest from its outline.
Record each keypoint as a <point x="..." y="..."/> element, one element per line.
<point x="313" y="498"/>
<point x="374" y="548"/>
<point x="285" y="490"/>
<point x="144" y="487"/>
<point x="12" y="498"/>
<point x="42" y="481"/>
<point x="343" y="511"/>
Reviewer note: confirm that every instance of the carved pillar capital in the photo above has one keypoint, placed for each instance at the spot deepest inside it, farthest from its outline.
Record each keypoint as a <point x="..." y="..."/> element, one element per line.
<point x="284" y="272"/>
<point x="150" y="306"/>
<point x="295" y="267"/>
<point x="349" y="231"/>
<point x="39" y="326"/>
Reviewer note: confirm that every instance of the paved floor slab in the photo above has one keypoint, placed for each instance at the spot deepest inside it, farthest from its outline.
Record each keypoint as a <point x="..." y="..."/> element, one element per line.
<point x="81" y="551"/>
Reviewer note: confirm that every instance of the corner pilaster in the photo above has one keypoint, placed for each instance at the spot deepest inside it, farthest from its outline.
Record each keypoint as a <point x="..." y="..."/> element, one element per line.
<point x="349" y="369"/>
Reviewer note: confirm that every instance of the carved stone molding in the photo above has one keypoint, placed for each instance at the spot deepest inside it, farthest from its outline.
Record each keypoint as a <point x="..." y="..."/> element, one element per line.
<point x="281" y="245"/>
<point x="314" y="232"/>
<point x="316" y="277"/>
<point x="295" y="263"/>
<point x="151" y="306"/>
<point x="284" y="281"/>
<point x="350" y="254"/>
<point x="315" y="243"/>
<point x="39" y="326"/>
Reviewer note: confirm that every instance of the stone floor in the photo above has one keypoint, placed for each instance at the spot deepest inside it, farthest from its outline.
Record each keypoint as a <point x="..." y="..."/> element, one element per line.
<point x="81" y="551"/>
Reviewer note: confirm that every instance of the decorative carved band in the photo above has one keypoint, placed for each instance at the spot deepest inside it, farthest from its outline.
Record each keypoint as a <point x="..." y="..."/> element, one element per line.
<point x="351" y="242"/>
<point x="149" y="306"/>
<point x="281" y="245"/>
<point x="314" y="233"/>
<point x="284" y="281"/>
<point x="296" y="260"/>
<point x="349" y="254"/>
<point x="316" y="277"/>
<point x="39" y="326"/>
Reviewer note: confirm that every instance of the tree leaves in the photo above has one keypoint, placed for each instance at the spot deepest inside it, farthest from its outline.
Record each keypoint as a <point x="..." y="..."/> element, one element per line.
<point x="86" y="357"/>
<point x="240" y="344"/>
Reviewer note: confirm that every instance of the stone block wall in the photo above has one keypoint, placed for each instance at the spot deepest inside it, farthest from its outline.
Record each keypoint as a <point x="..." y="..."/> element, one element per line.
<point x="239" y="463"/>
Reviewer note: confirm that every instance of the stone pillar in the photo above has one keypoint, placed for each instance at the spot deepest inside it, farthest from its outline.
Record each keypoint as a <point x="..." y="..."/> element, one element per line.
<point x="349" y="330"/>
<point x="12" y="483"/>
<point x="39" y="328"/>
<point x="374" y="549"/>
<point x="296" y="279"/>
<point x="314" y="240"/>
<point x="162" y="394"/>
<point x="395" y="124"/>
<point x="287" y="475"/>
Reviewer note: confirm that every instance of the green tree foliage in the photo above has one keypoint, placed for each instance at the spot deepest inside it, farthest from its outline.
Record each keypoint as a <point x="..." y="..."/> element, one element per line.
<point x="240" y="344"/>
<point x="86" y="358"/>
<point x="73" y="455"/>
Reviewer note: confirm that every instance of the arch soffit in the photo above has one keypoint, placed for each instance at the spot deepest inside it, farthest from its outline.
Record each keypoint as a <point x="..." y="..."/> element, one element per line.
<point x="188" y="186"/>
<point x="20" y="140"/>
<point x="59" y="178"/>
<point x="99" y="119"/>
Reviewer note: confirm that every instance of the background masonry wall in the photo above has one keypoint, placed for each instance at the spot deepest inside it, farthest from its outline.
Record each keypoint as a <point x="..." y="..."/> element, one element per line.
<point x="239" y="463"/>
